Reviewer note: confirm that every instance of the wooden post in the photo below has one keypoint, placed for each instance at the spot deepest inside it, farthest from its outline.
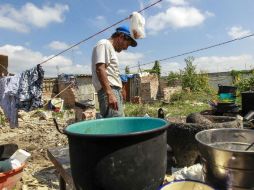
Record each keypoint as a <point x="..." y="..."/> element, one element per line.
<point x="3" y="65"/>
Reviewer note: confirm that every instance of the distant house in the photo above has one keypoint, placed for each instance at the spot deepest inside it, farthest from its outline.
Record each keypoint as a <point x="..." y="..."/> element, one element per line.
<point x="84" y="90"/>
<point x="145" y="86"/>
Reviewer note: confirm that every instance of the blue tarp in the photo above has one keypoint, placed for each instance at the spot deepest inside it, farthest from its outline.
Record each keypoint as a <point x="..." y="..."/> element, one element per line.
<point x="125" y="77"/>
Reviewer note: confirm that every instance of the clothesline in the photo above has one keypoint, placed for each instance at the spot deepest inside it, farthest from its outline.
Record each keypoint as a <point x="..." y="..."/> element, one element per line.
<point x="86" y="39"/>
<point x="82" y="41"/>
<point x="24" y="91"/>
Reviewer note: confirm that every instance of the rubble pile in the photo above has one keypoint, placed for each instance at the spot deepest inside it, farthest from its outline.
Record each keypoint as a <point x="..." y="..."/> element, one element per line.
<point x="35" y="134"/>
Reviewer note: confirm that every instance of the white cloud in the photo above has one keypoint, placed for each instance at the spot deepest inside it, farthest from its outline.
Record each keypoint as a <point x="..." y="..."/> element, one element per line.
<point x="209" y="14"/>
<point x="128" y="59"/>
<point x="21" y="58"/>
<point x="166" y="67"/>
<point x="238" y="32"/>
<point x="158" y="5"/>
<point x="210" y="64"/>
<point x="220" y="64"/>
<point x="9" y="23"/>
<point x="56" y="45"/>
<point x="178" y="2"/>
<point x="175" y="17"/>
<point x="30" y="15"/>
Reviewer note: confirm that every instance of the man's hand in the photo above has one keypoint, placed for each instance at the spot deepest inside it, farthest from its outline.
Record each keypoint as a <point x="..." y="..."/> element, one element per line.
<point x="112" y="101"/>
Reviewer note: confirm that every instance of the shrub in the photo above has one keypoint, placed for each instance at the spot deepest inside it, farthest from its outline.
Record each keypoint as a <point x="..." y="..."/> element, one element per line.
<point x="191" y="79"/>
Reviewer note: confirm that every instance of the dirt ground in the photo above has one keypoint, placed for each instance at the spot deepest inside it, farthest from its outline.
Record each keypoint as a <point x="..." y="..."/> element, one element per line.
<point x="35" y="134"/>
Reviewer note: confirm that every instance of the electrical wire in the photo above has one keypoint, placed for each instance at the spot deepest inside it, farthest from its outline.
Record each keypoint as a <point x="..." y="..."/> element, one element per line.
<point x="197" y="50"/>
<point x="82" y="41"/>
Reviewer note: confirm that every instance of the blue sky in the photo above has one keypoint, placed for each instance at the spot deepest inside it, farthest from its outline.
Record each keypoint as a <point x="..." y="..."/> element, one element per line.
<point x="32" y="31"/>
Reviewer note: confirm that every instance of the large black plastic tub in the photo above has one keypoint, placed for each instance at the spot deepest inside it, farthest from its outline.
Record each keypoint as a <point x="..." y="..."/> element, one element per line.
<point x="118" y="153"/>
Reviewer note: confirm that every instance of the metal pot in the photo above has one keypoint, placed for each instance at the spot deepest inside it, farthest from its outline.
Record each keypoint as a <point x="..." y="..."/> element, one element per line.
<point x="226" y="163"/>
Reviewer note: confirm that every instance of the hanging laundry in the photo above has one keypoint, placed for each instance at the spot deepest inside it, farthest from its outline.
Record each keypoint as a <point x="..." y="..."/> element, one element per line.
<point x="30" y="89"/>
<point x="22" y="91"/>
<point x="8" y="88"/>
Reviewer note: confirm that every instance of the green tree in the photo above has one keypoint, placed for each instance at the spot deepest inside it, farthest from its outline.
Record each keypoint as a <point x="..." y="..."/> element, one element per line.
<point x="173" y="78"/>
<point x="127" y="70"/>
<point x="245" y="84"/>
<point x="191" y="79"/>
<point x="156" y="68"/>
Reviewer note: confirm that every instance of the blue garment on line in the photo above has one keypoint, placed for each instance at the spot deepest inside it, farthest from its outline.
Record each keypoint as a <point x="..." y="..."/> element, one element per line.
<point x="22" y="91"/>
<point x="30" y="89"/>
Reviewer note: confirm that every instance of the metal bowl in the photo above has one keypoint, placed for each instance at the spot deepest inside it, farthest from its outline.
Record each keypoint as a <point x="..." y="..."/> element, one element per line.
<point x="226" y="163"/>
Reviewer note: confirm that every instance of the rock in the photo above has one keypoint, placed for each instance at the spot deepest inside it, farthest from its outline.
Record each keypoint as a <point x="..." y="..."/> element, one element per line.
<point x="89" y="114"/>
<point x="136" y="100"/>
<point x="31" y="147"/>
<point x="42" y="188"/>
<point x="22" y="115"/>
<point x="43" y="115"/>
<point x="197" y="118"/>
<point x="24" y="187"/>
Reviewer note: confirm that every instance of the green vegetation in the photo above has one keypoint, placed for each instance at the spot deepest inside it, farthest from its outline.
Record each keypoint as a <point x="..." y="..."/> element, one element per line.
<point x="156" y="69"/>
<point x="245" y="84"/>
<point x="127" y="70"/>
<point x="189" y="78"/>
<point x="2" y="120"/>
<point x="192" y="80"/>
<point x="173" y="78"/>
<point x="193" y="98"/>
<point x="181" y="104"/>
<point x="243" y="80"/>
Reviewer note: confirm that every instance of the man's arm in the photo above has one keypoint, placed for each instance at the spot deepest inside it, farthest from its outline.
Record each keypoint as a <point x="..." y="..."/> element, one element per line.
<point x="102" y="76"/>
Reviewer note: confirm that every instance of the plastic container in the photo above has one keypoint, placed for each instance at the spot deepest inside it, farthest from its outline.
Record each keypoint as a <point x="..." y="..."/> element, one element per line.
<point x="227" y="97"/>
<point x="18" y="158"/>
<point x="227" y="89"/>
<point x="247" y="102"/>
<point x="186" y="185"/>
<point x="118" y="153"/>
<point x="9" y="179"/>
<point x="7" y="150"/>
